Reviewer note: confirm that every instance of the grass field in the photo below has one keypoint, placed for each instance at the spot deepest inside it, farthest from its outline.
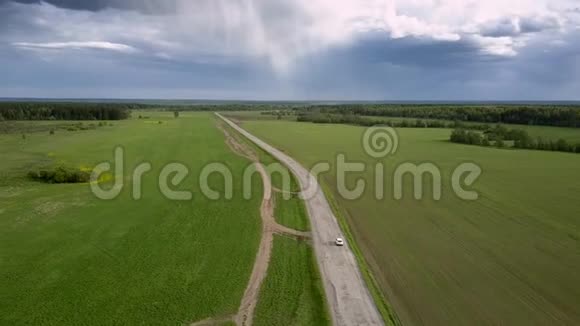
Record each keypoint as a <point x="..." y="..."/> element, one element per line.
<point x="291" y="212"/>
<point x="292" y="293"/>
<point x="510" y="257"/>
<point x="67" y="258"/>
<point x="572" y="135"/>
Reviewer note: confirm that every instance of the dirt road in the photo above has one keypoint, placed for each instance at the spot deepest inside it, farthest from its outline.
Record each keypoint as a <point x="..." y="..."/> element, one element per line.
<point x="348" y="297"/>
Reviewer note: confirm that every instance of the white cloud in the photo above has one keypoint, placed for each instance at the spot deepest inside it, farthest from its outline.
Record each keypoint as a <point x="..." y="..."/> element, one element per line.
<point x="123" y="48"/>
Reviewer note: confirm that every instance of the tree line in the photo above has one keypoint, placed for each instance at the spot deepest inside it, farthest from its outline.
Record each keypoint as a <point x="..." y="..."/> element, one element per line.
<point x="369" y="121"/>
<point x="544" y="115"/>
<point x="65" y="111"/>
<point x="498" y="136"/>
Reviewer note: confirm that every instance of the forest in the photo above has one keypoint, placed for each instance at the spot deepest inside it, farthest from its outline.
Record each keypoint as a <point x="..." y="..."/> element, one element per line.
<point x="541" y="115"/>
<point x="66" y="111"/>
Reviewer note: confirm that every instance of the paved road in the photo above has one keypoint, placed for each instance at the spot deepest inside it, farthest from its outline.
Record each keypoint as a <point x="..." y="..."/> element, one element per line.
<point x="348" y="297"/>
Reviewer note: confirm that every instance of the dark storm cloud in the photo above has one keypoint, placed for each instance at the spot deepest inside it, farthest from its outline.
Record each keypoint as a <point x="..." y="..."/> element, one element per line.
<point x="145" y="6"/>
<point x="435" y="70"/>
<point x="536" y="25"/>
<point x="418" y="52"/>
<point x="513" y="27"/>
<point x="504" y="27"/>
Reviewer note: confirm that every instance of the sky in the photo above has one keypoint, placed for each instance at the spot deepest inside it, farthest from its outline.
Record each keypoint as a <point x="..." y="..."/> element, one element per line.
<point x="291" y="49"/>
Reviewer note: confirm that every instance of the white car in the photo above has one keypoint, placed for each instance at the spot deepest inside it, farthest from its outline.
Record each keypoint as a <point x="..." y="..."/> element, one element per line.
<point x="339" y="242"/>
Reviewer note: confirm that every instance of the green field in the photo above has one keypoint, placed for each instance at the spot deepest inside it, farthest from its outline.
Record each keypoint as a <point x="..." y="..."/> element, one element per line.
<point x="572" y="135"/>
<point x="291" y="212"/>
<point x="510" y="257"/>
<point x="68" y="258"/>
<point x="292" y="293"/>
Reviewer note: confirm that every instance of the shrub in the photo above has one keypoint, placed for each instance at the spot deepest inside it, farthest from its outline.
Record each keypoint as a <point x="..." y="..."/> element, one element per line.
<point x="459" y="136"/>
<point x="51" y="132"/>
<point x="500" y="143"/>
<point x="562" y="145"/>
<point x="473" y="138"/>
<point x="60" y="174"/>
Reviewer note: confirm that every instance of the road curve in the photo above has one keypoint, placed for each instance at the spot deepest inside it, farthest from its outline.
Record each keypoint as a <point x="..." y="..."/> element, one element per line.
<point x="349" y="300"/>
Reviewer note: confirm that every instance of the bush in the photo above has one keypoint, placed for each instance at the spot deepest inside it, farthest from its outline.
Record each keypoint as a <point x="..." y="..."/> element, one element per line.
<point x="60" y="174"/>
<point x="51" y="132"/>
<point x="474" y="138"/>
<point x="499" y="143"/>
<point x="459" y="136"/>
<point x="562" y="145"/>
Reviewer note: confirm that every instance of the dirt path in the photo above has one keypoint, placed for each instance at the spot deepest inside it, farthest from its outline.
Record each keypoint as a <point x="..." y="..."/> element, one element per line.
<point x="349" y="300"/>
<point x="245" y="314"/>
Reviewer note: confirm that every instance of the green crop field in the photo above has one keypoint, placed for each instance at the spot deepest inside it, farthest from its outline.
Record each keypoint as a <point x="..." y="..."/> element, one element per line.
<point x="67" y="258"/>
<point x="292" y="293"/>
<point x="291" y="212"/>
<point x="572" y="135"/>
<point x="511" y="257"/>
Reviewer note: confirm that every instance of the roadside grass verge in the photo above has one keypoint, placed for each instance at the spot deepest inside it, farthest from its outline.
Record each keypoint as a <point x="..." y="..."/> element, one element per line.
<point x="292" y="292"/>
